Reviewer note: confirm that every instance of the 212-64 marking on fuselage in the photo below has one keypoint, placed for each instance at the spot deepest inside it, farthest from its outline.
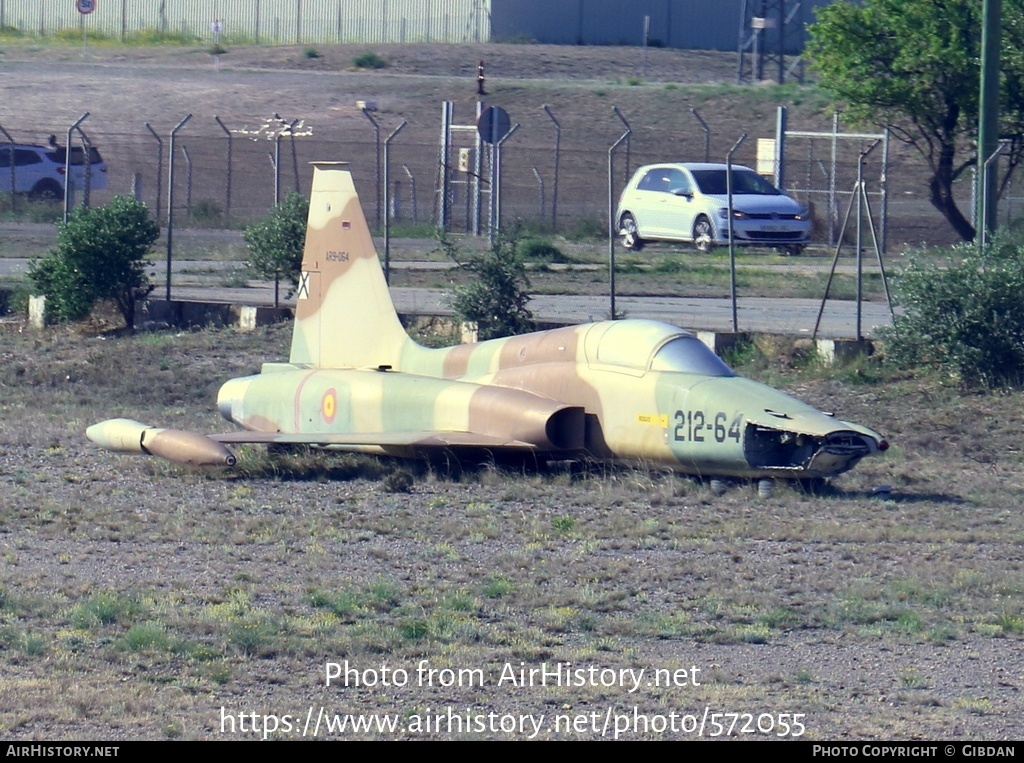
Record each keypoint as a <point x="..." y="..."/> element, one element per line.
<point x="696" y="426"/>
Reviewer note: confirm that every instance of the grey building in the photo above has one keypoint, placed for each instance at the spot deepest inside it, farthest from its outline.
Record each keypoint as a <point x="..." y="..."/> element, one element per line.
<point x="690" y="24"/>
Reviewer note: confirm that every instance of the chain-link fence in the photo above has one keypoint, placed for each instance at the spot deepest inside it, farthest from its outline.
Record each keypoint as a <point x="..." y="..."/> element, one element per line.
<point x="554" y="182"/>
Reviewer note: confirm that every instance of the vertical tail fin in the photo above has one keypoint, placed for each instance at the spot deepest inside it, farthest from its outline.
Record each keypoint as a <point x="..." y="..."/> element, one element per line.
<point x="344" y="316"/>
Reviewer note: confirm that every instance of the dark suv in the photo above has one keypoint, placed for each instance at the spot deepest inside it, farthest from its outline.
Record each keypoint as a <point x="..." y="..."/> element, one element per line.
<point x="39" y="170"/>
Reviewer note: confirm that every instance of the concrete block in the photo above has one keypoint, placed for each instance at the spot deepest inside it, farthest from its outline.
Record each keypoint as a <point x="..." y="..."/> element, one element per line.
<point x="841" y="350"/>
<point x="37" y="311"/>
<point x="721" y="341"/>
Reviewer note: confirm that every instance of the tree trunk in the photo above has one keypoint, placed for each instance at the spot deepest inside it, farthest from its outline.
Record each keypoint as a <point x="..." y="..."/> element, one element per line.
<point x="940" y="187"/>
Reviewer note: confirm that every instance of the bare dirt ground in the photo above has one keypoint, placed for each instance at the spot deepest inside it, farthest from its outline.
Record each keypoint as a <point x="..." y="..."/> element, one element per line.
<point x="140" y="600"/>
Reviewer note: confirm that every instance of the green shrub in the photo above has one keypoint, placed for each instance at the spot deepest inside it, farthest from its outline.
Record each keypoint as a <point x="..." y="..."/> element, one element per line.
<point x="967" y="319"/>
<point x="369" y="61"/>
<point x="206" y="213"/>
<point x="495" y="298"/>
<point x="311" y="53"/>
<point x="276" y="242"/>
<point x="99" y="255"/>
<point x="540" y="250"/>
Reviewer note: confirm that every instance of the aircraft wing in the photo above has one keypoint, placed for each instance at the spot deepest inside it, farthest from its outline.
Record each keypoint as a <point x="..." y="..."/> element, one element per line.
<point x="421" y="439"/>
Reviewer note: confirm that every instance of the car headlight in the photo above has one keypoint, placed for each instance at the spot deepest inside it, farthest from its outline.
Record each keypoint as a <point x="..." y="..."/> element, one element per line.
<point x="803" y="214"/>
<point x="736" y="214"/>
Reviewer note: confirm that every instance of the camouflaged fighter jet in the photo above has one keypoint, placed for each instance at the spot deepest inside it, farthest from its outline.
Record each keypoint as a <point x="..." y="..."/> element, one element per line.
<point x="629" y="390"/>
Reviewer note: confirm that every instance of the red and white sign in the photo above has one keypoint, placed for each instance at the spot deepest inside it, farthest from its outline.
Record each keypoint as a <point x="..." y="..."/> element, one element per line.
<point x="85" y="6"/>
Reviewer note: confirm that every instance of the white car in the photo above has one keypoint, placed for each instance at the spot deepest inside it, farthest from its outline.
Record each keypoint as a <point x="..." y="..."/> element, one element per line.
<point x="689" y="202"/>
<point x="39" y="170"/>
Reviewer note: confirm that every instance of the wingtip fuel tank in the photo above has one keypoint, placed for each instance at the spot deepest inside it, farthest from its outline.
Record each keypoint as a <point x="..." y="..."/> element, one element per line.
<point x="188" y="448"/>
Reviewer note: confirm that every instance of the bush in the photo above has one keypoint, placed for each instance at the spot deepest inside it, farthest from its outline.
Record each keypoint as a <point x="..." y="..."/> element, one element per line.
<point x="966" y="320"/>
<point x="495" y="298"/>
<point x="276" y="242"/>
<point x="369" y="61"/>
<point x="540" y="250"/>
<point x="207" y="213"/>
<point x="99" y="255"/>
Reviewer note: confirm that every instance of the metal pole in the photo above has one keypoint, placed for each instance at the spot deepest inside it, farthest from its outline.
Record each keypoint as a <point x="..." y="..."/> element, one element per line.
<point x="277" y="170"/>
<point x="707" y="134"/>
<point x="611" y="223"/>
<point x="540" y="187"/>
<point x="188" y="183"/>
<point x="442" y="167"/>
<point x="988" y="113"/>
<point x="728" y="223"/>
<point x="159" y="168"/>
<point x="780" y="145"/>
<point x="496" y="190"/>
<point x="87" y="154"/>
<point x="478" y="165"/>
<point x="554" y="190"/>
<point x="227" y="193"/>
<point x="984" y="231"/>
<point x="832" y="210"/>
<point x="170" y="200"/>
<point x="860" y="226"/>
<point x="884" y="189"/>
<point x="295" y="156"/>
<point x="387" y="217"/>
<point x="628" y="133"/>
<point x="492" y="200"/>
<point x="67" y="165"/>
<point x="376" y="132"/>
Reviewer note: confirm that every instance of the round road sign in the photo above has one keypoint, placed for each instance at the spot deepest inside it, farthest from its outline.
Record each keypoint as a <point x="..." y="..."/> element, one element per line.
<point x="494" y="124"/>
<point x="86" y="6"/>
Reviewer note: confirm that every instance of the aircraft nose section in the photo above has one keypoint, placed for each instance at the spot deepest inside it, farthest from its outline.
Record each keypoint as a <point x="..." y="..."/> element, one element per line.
<point x="230" y="398"/>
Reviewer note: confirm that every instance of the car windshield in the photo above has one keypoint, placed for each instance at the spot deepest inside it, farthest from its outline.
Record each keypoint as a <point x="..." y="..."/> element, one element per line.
<point x="747" y="182"/>
<point x="687" y="354"/>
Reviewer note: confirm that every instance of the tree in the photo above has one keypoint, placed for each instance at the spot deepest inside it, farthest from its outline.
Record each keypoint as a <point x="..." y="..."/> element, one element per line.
<point x="914" y="65"/>
<point x="495" y="298"/>
<point x="99" y="255"/>
<point x="276" y="242"/>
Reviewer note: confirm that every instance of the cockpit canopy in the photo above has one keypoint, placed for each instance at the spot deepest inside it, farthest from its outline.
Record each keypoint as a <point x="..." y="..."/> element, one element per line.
<point x="640" y="346"/>
<point x="687" y="354"/>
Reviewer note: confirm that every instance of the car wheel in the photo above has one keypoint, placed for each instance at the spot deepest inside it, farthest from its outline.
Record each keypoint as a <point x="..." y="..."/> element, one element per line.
<point x="794" y="250"/>
<point x="703" y="234"/>
<point x="630" y="233"/>
<point x="47" y="190"/>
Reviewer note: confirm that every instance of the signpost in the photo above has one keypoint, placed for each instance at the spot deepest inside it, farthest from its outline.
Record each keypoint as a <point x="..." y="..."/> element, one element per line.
<point x="85" y="7"/>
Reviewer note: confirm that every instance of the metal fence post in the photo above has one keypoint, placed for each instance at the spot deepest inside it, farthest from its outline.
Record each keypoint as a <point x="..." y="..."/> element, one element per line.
<point x="376" y="133"/>
<point x="554" y="190"/>
<point x="728" y="223"/>
<point x="612" y="222"/>
<point x="707" y="134"/>
<point x="67" y="165"/>
<point x="159" y="168"/>
<point x="227" y="193"/>
<point x="387" y="217"/>
<point x="188" y="183"/>
<point x="170" y="199"/>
